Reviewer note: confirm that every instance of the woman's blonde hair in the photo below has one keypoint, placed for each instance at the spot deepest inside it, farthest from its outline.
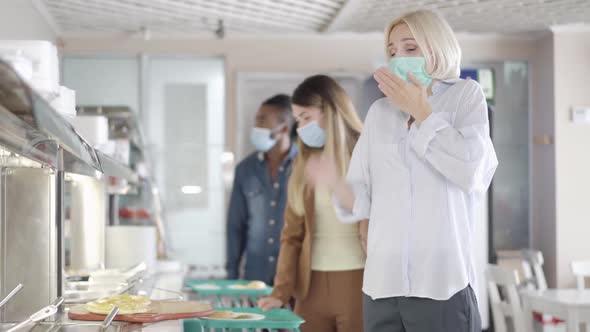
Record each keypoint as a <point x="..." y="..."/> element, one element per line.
<point x="343" y="128"/>
<point x="436" y="39"/>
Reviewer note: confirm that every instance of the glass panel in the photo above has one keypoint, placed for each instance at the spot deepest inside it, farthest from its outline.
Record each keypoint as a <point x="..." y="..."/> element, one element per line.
<point x="185" y="131"/>
<point x="509" y="121"/>
<point x="510" y="131"/>
<point x="194" y="209"/>
<point x="77" y="149"/>
<point x="34" y="127"/>
<point x="104" y="81"/>
<point x="18" y="138"/>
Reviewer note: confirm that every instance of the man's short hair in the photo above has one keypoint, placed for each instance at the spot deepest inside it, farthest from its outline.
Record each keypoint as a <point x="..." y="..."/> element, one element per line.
<point x="282" y="105"/>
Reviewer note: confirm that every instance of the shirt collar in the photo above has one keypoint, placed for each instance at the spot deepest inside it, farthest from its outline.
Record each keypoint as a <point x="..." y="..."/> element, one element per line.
<point x="292" y="153"/>
<point x="440" y="86"/>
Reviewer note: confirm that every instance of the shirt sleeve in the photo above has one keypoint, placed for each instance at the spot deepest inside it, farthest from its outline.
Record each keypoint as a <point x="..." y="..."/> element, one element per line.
<point x="292" y="237"/>
<point x="236" y="228"/>
<point x="358" y="178"/>
<point x="463" y="152"/>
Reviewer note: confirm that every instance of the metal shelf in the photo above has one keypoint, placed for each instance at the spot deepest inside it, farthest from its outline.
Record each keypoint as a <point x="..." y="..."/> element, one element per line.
<point x="39" y="126"/>
<point x="114" y="168"/>
<point x="123" y="122"/>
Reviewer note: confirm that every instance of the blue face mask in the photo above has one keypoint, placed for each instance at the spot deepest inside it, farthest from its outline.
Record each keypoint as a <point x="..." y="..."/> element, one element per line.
<point x="312" y="135"/>
<point x="401" y="66"/>
<point x="262" y="139"/>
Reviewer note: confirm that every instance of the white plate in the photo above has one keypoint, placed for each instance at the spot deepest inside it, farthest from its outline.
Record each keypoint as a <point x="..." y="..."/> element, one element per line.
<point x="246" y="287"/>
<point x="206" y="287"/>
<point x="251" y="317"/>
<point x="237" y="287"/>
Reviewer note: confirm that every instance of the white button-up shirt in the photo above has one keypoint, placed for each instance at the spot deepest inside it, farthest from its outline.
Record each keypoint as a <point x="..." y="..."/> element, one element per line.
<point x="420" y="188"/>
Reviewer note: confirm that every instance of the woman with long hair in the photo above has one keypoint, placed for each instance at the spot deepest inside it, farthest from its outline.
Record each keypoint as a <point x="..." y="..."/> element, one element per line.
<point x="418" y="174"/>
<point x="321" y="259"/>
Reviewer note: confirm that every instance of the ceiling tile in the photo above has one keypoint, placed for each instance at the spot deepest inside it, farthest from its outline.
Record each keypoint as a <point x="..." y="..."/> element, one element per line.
<point x="172" y="17"/>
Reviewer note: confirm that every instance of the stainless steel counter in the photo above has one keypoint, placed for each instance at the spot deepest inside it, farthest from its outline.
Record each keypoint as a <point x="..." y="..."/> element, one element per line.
<point x="65" y="325"/>
<point x="161" y="286"/>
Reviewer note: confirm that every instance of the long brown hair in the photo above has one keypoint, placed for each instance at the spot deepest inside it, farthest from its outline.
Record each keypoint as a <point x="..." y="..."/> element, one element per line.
<point x="343" y="128"/>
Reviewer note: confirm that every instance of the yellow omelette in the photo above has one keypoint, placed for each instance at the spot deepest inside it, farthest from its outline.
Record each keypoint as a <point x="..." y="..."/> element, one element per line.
<point x="128" y="304"/>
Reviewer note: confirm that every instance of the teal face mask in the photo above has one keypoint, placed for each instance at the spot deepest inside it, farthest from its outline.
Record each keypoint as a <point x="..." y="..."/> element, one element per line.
<point x="402" y="65"/>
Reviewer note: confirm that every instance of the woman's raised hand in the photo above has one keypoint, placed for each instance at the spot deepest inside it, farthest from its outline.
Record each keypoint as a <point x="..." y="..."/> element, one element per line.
<point x="411" y="98"/>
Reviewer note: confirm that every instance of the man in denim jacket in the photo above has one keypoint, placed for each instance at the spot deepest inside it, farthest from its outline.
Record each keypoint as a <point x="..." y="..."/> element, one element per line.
<point x="259" y="194"/>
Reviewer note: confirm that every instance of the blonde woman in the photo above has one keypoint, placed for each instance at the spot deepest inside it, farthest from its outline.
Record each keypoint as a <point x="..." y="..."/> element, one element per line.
<point x="321" y="260"/>
<point x="418" y="173"/>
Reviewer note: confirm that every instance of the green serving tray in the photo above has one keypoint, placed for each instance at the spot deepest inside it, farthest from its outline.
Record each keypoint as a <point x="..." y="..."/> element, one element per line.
<point x="276" y="319"/>
<point x="224" y="290"/>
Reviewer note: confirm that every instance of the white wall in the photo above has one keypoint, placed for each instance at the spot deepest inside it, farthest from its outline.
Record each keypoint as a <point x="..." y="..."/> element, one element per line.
<point x="103" y="81"/>
<point x="559" y="164"/>
<point x="572" y="74"/>
<point x="560" y="161"/>
<point x="20" y="19"/>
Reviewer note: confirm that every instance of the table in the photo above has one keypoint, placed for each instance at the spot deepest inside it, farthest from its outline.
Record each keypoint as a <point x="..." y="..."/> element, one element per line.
<point x="571" y="305"/>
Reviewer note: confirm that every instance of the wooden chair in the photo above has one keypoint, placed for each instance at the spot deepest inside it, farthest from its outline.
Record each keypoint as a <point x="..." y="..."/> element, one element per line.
<point x="507" y="308"/>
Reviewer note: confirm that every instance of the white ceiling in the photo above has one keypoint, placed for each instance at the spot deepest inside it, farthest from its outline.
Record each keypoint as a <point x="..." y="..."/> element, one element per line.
<point x="473" y="15"/>
<point x="196" y="17"/>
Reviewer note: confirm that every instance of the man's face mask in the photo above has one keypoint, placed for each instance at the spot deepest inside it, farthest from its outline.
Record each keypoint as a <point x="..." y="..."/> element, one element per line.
<point x="263" y="139"/>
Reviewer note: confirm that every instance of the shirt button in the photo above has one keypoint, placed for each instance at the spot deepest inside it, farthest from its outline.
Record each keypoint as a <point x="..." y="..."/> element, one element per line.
<point x="276" y="185"/>
<point x="273" y="203"/>
<point x="281" y="169"/>
<point x="271" y="240"/>
<point x="271" y="259"/>
<point x="271" y="222"/>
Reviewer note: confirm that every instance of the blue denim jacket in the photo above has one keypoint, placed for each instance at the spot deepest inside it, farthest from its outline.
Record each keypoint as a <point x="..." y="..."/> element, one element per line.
<point x="256" y="216"/>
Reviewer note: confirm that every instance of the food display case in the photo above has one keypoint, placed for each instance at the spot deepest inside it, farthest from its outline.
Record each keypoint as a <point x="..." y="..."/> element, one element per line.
<point x="41" y="158"/>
